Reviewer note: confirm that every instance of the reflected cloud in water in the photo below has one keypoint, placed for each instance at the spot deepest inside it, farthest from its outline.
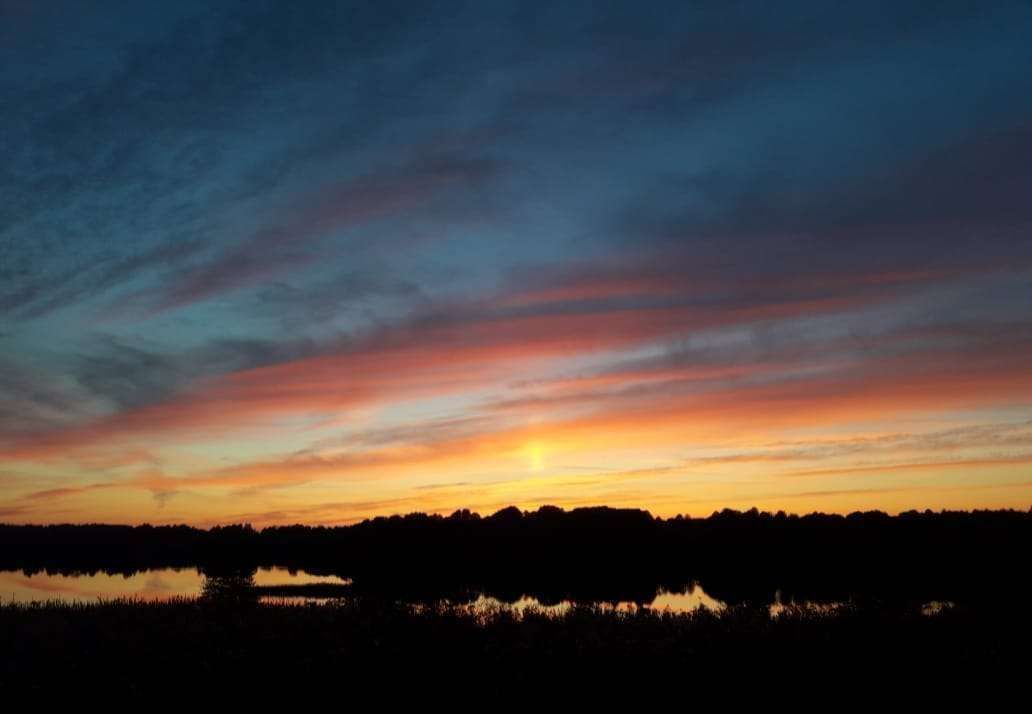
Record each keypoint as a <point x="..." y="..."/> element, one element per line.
<point x="278" y="585"/>
<point x="692" y="599"/>
<point x="150" y="585"/>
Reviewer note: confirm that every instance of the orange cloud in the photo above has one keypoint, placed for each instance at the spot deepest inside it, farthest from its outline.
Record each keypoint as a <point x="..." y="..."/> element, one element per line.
<point x="710" y="398"/>
<point x="736" y="413"/>
<point x="421" y="360"/>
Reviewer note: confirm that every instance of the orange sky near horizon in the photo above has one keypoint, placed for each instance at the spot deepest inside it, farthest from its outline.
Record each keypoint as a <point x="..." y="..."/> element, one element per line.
<point x="519" y="414"/>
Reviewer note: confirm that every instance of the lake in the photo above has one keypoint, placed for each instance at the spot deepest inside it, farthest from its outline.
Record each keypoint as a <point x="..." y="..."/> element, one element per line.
<point x="166" y="583"/>
<point x="279" y="584"/>
<point x="160" y="584"/>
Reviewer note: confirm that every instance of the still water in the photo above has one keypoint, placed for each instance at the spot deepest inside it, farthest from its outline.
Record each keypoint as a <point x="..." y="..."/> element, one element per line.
<point x="146" y="585"/>
<point x="187" y="582"/>
<point x="689" y="600"/>
<point x="166" y="583"/>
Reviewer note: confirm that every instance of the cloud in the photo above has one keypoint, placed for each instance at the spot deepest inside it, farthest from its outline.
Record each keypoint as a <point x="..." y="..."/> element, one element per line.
<point x="163" y="497"/>
<point x="82" y="285"/>
<point x="53" y="493"/>
<point x="359" y="243"/>
<point x="725" y="410"/>
<point x="295" y="241"/>
<point x="32" y="401"/>
<point x="133" y="373"/>
<point x="126" y="139"/>
<point x="969" y="465"/>
<point x="455" y="347"/>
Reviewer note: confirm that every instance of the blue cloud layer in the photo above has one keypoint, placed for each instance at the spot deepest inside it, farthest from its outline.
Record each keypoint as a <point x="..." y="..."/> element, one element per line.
<point x="190" y="189"/>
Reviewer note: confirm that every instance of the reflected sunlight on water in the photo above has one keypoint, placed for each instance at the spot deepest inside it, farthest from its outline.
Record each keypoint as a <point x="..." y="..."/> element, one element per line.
<point x="163" y="584"/>
<point x="936" y="607"/>
<point x="690" y="600"/>
<point x="160" y="584"/>
<point x="780" y="606"/>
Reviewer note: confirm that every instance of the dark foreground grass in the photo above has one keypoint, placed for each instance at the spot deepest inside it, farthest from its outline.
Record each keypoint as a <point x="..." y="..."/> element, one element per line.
<point x="129" y="646"/>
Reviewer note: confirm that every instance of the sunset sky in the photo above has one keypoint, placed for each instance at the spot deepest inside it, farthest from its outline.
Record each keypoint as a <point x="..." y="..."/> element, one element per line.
<point x="292" y="261"/>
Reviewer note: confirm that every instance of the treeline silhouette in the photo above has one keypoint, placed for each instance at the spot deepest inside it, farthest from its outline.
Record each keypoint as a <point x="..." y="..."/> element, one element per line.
<point x="586" y="554"/>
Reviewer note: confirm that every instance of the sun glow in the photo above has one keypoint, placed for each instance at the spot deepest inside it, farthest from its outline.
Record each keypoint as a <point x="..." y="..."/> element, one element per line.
<point x="535" y="456"/>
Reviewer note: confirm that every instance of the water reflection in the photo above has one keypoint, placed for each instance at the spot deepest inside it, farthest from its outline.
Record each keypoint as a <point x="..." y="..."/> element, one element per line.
<point x="282" y="585"/>
<point x="233" y="587"/>
<point x="936" y="607"/>
<point x="275" y="584"/>
<point x="781" y="606"/>
<point x="692" y="599"/>
<point x="150" y="585"/>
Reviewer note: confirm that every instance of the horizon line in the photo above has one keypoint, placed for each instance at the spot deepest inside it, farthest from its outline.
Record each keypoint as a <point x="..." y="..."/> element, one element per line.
<point x="754" y="511"/>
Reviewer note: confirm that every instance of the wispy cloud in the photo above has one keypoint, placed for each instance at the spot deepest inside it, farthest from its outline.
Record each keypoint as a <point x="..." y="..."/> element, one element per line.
<point x="387" y="247"/>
